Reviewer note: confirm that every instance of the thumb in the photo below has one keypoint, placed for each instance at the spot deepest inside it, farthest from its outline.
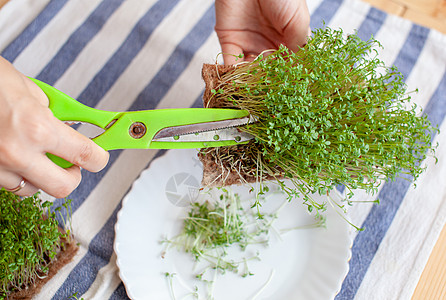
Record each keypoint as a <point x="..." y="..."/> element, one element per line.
<point x="290" y="18"/>
<point x="232" y="53"/>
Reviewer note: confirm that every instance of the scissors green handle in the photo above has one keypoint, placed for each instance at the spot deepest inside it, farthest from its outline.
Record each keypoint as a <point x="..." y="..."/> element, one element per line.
<point x="134" y="129"/>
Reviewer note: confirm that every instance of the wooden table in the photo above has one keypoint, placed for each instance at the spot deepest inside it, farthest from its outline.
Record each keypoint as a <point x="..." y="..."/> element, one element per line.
<point x="429" y="13"/>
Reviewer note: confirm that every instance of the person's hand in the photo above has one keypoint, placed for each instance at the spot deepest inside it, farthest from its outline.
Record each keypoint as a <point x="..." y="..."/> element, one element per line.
<point x="28" y="130"/>
<point x="249" y="27"/>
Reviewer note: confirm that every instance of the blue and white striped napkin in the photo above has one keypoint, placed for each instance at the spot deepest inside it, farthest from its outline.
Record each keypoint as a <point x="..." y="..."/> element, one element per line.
<point x="144" y="54"/>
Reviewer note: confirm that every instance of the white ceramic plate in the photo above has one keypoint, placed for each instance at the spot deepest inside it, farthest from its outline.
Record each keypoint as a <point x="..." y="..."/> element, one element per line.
<point x="301" y="264"/>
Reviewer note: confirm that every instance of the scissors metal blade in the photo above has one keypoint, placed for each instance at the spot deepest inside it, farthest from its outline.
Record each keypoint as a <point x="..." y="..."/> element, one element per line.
<point x="226" y="130"/>
<point x="143" y="129"/>
<point x="207" y="131"/>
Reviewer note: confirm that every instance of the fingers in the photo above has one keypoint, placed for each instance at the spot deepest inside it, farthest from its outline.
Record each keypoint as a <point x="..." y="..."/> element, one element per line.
<point x="52" y="179"/>
<point x="34" y="129"/>
<point x="16" y="184"/>
<point x="231" y="53"/>
<point x="64" y="141"/>
<point x="296" y="35"/>
<point x="29" y="135"/>
<point x="78" y="149"/>
<point x="29" y="130"/>
<point x="26" y="190"/>
<point x="35" y="91"/>
<point x="294" y="24"/>
<point x="32" y="164"/>
<point x="257" y="25"/>
<point x="242" y="46"/>
<point x="39" y="172"/>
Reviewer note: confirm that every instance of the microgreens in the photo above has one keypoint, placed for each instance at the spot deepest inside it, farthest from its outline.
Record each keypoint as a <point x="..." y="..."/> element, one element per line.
<point x="213" y="227"/>
<point x="329" y="114"/>
<point x="74" y="296"/>
<point x="30" y="239"/>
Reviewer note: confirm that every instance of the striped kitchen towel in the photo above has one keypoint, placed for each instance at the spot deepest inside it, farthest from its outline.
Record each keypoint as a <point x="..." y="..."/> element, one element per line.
<point x="144" y="54"/>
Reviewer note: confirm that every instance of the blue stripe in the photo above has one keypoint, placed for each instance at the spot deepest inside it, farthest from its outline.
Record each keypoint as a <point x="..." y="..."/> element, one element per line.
<point x="381" y="216"/>
<point x="89" y="182"/>
<point x="99" y="252"/>
<point x="367" y="242"/>
<point x="411" y="49"/>
<point x="119" y="293"/>
<point x="101" y="246"/>
<point x="117" y="63"/>
<point x="30" y="32"/>
<point x="176" y="64"/>
<point x="199" y="101"/>
<point x="151" y="96"/>
<point x="120" y="60"/>
<point x="436" y="108"/>
<point x="392" y="194"/>
<point x="77" y="41"/>
<point x="324" y="13"/>
<point x="98" y="255"/>
<point x="372" y="23"/>
<point x="340" y="188"/>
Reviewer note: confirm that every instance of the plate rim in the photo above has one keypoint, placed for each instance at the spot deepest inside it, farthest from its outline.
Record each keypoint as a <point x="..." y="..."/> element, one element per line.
<point x="125" y="202"/>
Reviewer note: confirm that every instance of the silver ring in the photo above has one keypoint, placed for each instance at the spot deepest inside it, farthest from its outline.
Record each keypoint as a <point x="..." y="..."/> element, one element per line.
<point x="17" y="188"/>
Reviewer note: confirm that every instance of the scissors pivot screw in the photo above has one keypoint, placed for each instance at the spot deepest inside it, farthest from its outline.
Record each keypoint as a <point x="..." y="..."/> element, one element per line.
<point x="137" y="130"/>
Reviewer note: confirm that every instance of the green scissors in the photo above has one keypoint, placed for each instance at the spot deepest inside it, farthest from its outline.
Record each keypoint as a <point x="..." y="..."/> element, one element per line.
<point x="180" y="128"/>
